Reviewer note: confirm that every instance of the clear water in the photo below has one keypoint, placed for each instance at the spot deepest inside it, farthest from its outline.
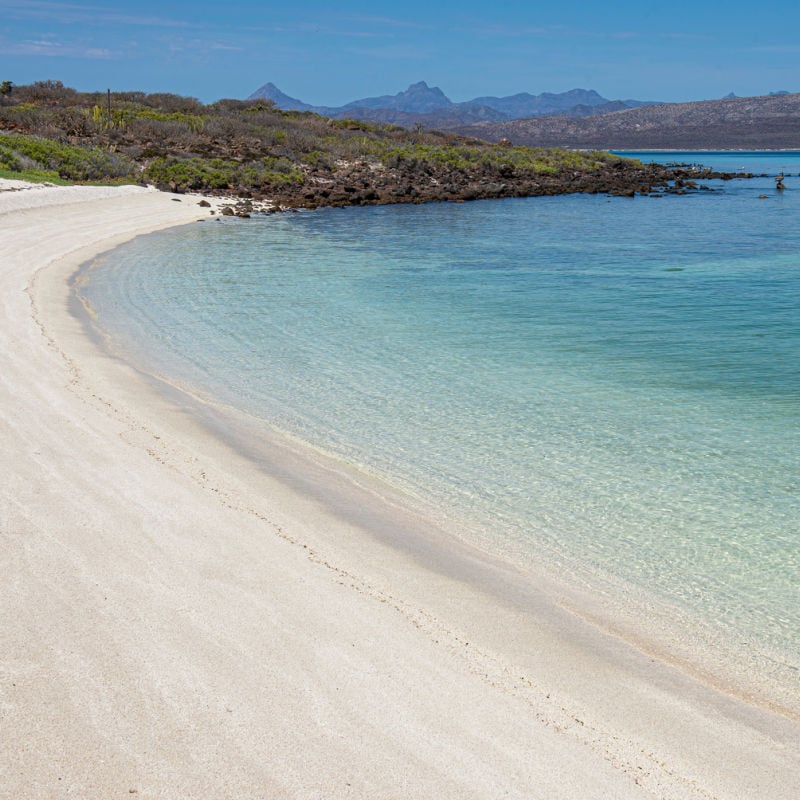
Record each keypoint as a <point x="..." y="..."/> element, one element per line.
<point x="759" y="162"/>
<point x="612" y="383"/>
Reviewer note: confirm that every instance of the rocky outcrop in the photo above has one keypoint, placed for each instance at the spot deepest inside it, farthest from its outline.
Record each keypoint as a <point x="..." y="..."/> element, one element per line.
<point x="361" y="184"/>
<point x="248" y="149"/>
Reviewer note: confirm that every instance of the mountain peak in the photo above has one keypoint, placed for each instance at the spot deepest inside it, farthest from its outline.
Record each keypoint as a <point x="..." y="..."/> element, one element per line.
<point x="269" y="91"/>
<point x="419" y="98"/>
<point x="424" y="97"/>
<point x="422" y="87"/>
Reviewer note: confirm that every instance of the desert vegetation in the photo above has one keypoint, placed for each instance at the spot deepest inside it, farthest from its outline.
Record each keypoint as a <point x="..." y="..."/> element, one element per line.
<point x="252" y="149"/>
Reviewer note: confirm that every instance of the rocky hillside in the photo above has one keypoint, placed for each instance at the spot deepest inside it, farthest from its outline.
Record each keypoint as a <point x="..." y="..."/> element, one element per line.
<point x="294" y="158"/>
<point x="768" y="122"/>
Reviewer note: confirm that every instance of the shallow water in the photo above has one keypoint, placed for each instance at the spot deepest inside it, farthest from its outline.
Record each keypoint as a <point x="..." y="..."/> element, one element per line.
<point x="610" y="384"/>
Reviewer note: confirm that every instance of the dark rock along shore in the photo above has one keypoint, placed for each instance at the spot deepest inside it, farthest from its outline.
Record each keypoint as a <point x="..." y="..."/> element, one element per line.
<point x="363" y="184"/>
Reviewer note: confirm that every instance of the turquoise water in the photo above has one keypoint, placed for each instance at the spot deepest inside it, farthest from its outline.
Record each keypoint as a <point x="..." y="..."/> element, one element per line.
<point x="759" y="162"/>
<point x="612" y="385"/>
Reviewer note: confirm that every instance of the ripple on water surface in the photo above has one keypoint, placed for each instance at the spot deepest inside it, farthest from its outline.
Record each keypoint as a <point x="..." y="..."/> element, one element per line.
<point x="613" y="384"/>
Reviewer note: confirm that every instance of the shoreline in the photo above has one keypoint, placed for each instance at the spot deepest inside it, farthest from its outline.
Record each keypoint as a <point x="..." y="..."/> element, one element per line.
<point x="264" y="626"/>
<point x="436" y="534"/>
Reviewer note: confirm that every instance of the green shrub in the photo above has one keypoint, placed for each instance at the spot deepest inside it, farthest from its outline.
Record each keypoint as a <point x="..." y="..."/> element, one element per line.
<point x="67" y="161"/>
<point x="197" y="174"/>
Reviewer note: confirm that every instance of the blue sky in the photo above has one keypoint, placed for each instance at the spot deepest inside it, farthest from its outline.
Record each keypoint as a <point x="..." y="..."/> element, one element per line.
<point x="329" y="53"/>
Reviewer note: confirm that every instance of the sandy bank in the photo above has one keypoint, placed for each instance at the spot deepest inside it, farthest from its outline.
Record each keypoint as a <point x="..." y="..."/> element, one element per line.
<point x="179" y="623"/>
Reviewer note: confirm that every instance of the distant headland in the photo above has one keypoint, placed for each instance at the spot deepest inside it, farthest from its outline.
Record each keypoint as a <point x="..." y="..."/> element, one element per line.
<point x="251" y="149"/>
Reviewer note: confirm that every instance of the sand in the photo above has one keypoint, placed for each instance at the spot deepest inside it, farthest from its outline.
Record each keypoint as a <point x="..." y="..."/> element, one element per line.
<point x="181" y="622"/>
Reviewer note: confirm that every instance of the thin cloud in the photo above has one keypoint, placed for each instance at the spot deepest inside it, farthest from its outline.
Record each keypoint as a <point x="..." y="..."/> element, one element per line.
<point x="71" y="13"/>
<point x="232" y="48"/>
<point x="195" y="49"/>
<point x="52" y="48"/>
<point x="504" y="31"/>
<point x="198" y="45"/>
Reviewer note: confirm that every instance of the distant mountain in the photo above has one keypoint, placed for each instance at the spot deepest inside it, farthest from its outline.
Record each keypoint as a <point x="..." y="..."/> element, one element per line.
<point x="419" y="98"/>
<point x="429" y="105"/>
<point x="444" y="119"/>
<point x="269" y="91"/>
<point x="532" y="105"/>
<point x="767" y="122"/>
<point x="579" y="118"/>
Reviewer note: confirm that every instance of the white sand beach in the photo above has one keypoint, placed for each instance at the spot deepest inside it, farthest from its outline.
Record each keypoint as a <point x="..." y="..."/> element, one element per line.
<point x="178" y="622"/>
